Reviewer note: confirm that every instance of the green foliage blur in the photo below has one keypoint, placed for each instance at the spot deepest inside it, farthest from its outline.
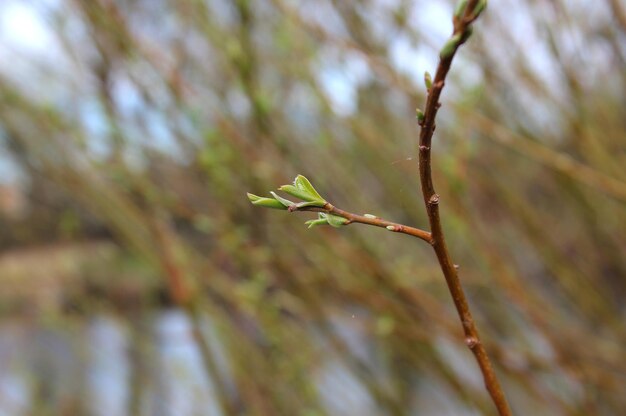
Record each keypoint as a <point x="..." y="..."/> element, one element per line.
<point x="133" y="134"/>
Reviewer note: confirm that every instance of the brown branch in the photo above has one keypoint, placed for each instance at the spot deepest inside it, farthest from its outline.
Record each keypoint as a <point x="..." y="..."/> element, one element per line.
<point x="369" y="220"/>
<point x="462" y="31"/>
<point x="431" y="201"/>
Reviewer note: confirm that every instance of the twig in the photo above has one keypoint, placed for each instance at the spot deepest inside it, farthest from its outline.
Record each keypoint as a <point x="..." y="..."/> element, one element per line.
<point x="370" y="220"/>
<point x="431" y="200"/>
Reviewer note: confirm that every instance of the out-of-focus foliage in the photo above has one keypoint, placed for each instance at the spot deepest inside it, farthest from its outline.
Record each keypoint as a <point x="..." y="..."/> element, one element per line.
<point x="144" y="123"/>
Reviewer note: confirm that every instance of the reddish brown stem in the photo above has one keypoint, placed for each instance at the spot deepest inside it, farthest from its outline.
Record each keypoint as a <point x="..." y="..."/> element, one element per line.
<point x="431" y="201"/>
<point x="370" y="220"/>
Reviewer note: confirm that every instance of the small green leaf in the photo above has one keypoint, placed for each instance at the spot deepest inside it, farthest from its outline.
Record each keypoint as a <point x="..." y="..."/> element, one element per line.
<point x="303" y="189"/>
<point x="336" y="221"/>
<point x="302" y="183"/>
<point x="310" y="204"/>
<point x="253" y="197"/>
<point x="298" y="193"/>
<point x="282" y="200"/>
<point x="313" y="223"/>
<point x="265" y="202"/>
<point x="293" y="191"/>
<point x="269" y="203"/>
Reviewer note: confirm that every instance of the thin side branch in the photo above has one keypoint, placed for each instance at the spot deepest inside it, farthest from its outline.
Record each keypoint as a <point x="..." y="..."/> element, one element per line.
<point x="369" y="220"/>
<point x="462" y="31"/>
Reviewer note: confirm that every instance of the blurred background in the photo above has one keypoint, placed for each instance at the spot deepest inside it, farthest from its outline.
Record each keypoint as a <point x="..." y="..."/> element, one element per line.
<point x="137" y="279"/>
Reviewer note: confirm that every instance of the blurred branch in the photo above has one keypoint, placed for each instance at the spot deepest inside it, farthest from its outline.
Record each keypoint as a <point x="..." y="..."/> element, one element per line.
<point x="619" y="13"/>
<point x="560" y="162"/>
<point x="231" y="95"/>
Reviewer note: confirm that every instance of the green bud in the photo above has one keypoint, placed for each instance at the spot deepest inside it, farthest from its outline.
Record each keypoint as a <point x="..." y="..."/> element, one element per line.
<point x="460" y="9"/>
<point x="428" y="80"/>
<point x="265" y="202"/>
<point x="480" y="7"/>
<point x="336" y="221"/>
<point x="450" y="46"/>
<point x="419" y="114"/>
<point x="390" y="228"/>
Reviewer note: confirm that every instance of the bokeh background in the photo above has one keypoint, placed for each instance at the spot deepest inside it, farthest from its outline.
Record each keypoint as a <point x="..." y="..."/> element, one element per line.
<point x="137" y="279"/>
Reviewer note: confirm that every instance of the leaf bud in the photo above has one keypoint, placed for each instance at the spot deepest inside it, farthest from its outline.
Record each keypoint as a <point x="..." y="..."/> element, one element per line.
<point x="428" y="80"/>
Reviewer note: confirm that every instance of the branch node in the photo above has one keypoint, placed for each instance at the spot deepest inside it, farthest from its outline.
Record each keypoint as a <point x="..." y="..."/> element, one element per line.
<point x="472" y="342"/>
<point x="434" y="199"/>
<point x="424" y="148"/>
<point x="456" y="266"/>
